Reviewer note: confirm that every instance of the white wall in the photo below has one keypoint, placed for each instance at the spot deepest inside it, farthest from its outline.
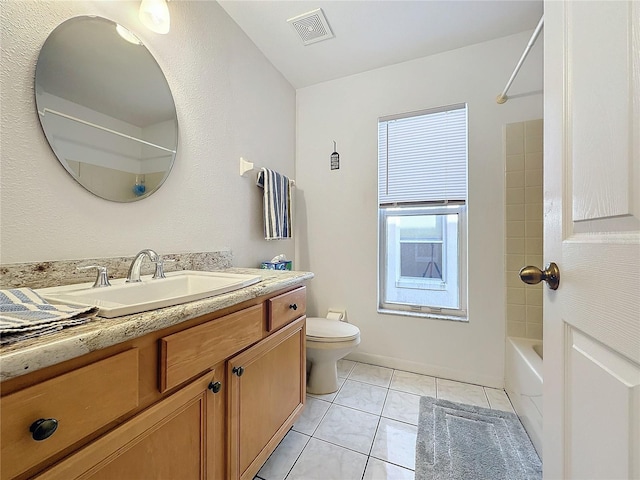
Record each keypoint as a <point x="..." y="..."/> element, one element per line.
<point x="230" y="101"/>
<point x="337" y="210"/>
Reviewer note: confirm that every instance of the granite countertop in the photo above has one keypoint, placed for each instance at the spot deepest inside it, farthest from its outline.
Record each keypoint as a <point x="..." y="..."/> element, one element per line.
<point x="30" y="355"/>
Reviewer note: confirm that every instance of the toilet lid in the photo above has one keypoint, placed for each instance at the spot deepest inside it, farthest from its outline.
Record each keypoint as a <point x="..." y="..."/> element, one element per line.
<point x="325" y="330"/>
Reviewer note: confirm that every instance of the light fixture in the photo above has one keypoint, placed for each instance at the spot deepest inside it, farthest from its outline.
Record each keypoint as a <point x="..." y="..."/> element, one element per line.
<point x="154" y="14"/>
<point x="127" y="35"/>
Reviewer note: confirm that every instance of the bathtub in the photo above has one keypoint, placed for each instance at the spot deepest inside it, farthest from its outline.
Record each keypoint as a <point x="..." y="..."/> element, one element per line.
<point x="523" y="382"/>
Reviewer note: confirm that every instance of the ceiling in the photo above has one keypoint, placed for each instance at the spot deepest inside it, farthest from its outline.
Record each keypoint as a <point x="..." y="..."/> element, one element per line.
<point x="86" y="62"/>
<point x="375" y="33"/>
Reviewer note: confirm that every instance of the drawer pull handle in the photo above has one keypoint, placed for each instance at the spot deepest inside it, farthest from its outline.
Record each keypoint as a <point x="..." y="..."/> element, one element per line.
<point x="238" y="371"/>
<point x="293" y="306"/>
<point x="215" y="387"/>
<point x="42" y="428"/>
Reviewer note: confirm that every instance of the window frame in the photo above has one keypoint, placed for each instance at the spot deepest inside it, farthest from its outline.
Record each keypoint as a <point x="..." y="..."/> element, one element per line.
<point x="446" y="205"/>
<point x="459" y="314"/>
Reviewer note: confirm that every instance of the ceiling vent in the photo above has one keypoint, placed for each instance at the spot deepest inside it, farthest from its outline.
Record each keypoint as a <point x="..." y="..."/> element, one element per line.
<point x="312" y="27"/>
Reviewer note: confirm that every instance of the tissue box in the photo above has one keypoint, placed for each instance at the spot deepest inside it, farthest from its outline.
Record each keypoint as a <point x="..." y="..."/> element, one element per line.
<point x="283" y="265"/>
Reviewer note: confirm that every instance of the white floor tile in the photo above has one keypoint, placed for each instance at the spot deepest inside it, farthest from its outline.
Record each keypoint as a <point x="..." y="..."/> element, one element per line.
<point x="313" y="412"/>
<point x="498" y="399"/>
<point x="362" y="396"/>
<point x="374" y="412"/>
<point x="324" y="461"/>
<point x="379" y="470"/>
<point x="284" y="456"/>
<point x="402" y="406"/>
<point x="395" y="442"/>
<point x="413" y="383"/>
<point x="329" y="397"/>
<point x="372" y="374"/>
<point x="462" y="393"/>
<point x="345" y="367"/>
<point x="348" y="428"/>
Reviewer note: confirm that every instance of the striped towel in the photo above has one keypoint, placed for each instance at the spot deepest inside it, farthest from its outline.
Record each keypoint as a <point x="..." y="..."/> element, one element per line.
<point x="25" y="314"/>
<point x="277" y="204"/>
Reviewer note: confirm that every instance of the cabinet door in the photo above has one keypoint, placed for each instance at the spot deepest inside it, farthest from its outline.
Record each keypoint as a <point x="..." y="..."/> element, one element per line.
<point x="266" y="395"/>
<point x="173" y="439"/>
<point x="80" y="401"/>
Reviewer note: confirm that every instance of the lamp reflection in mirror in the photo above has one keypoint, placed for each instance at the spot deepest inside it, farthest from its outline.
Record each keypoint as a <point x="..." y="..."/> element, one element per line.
<point x="127" y="35"/>
<point x="154" y="14"/>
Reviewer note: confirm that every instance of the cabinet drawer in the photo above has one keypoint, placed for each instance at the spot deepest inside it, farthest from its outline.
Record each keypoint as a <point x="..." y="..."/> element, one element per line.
<point x="190" y="352"/>
<point x="285" y="308"/>
<point x="82" y="401"/>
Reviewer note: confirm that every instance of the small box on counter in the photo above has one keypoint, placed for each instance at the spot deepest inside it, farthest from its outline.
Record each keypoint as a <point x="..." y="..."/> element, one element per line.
<point x="283" y="265"/>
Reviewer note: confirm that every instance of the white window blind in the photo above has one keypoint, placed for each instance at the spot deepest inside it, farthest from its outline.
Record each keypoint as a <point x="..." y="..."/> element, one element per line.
<point x="423" y="157"/>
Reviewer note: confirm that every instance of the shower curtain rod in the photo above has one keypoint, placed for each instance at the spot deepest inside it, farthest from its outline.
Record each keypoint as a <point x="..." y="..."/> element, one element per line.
<point x="100" y="127"/>
<point x="503" y="96"/>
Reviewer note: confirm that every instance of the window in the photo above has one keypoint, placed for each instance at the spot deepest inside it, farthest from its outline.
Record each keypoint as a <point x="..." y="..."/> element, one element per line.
<point x="422" y="190"/>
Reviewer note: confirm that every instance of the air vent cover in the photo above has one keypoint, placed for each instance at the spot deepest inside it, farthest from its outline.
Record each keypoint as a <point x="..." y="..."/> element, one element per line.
<point x="312" y="27"/>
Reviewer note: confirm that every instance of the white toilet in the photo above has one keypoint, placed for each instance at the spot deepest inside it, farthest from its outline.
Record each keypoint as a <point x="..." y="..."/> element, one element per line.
<point x="328" y="341"/>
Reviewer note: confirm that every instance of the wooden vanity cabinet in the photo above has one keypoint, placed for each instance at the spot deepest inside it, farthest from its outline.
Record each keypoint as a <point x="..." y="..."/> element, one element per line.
<point x="76" y="404"/>
<point x="229" y="386"/>
<point x="267" y="388"/>
<point x="174" y="439"/>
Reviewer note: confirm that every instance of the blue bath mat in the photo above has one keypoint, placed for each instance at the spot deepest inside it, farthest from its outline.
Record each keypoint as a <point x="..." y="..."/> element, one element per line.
<point x="462" y="442"/>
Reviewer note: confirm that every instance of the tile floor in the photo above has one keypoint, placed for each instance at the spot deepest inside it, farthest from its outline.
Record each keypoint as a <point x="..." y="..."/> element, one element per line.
<point x="367" y="429"/>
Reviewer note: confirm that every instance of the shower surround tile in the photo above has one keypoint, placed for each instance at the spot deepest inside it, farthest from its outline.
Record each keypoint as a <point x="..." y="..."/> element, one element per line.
<point x="515" y="162"/>
<point x="515" y="138"/>
<point x="516" y="212"/>
<point x="525" y="138"/>
<point x="515" y="246"/>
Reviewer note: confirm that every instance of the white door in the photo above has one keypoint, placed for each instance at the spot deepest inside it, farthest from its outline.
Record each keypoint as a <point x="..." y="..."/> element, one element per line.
<point x="592" y="231"/>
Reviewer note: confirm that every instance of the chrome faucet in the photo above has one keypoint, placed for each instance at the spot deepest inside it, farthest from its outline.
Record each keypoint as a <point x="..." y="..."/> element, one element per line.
<point x="134" y="269"/>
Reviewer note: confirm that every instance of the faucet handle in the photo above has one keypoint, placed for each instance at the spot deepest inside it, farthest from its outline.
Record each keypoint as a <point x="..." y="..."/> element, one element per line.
<point x="159" y="273"/>
<point x="102" y="278"/>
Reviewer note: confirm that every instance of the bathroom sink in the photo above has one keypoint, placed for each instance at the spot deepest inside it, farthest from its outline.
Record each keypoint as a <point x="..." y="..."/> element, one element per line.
<point x="123" y="298"/>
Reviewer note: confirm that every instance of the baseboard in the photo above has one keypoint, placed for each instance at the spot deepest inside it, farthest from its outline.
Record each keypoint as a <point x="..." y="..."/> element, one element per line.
<point x="426" y="369"/>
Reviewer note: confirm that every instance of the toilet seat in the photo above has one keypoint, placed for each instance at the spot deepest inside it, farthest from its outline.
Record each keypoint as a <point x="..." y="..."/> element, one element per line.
<point x="323" y="330"/>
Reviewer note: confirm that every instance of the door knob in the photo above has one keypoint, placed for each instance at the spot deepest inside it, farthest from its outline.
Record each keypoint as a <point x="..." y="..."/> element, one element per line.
<point x="533" y="275"/>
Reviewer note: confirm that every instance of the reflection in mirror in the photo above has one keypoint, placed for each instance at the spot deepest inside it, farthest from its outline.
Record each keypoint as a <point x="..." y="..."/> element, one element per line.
<point x="106" y="109"/>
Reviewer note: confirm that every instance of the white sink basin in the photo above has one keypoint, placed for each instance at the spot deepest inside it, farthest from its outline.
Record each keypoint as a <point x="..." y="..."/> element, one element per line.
<point x="123" y="298"/>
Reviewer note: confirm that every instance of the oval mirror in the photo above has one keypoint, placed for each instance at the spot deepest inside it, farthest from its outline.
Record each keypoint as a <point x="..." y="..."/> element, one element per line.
<point x="106" y="109"/>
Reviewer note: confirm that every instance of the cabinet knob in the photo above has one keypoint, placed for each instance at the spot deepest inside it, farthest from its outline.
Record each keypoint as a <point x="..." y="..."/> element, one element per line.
<point x="215" y="387"/>
<point x="43" y="428"/>
<point x="293" y="306"/>
<point x="238" y="371"/>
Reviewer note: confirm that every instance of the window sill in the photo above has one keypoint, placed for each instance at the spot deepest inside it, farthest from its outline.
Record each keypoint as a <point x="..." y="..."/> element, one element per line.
<point x="430" y="315"/>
